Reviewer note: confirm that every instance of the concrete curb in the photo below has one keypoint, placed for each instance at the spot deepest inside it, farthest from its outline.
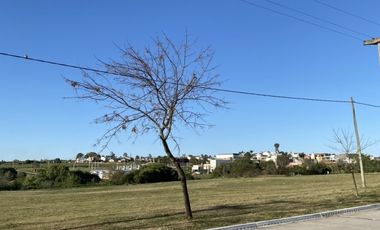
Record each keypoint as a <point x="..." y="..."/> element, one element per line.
<point x="293" y="219"/>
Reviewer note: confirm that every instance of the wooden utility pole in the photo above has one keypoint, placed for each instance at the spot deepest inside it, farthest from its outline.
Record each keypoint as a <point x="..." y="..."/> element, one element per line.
<point x="374" y="42"/>
<point x="358" y="146"/>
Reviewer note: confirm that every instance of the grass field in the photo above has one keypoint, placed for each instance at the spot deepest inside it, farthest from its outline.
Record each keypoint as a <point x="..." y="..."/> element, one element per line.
<point x="215" y="202"/>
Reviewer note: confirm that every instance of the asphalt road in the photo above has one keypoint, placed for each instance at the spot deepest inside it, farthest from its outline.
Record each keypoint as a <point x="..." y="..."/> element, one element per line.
<point x="362" y="220"/>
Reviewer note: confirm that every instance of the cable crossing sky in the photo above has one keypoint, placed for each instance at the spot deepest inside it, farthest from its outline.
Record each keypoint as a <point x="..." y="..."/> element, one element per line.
<point x="27" y="58"/>
<point x="304" y="20"/>
<point x="44" y="61"/>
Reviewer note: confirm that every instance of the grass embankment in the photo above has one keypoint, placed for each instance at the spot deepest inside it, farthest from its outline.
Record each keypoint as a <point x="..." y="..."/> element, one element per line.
<point x="215" y="202"/>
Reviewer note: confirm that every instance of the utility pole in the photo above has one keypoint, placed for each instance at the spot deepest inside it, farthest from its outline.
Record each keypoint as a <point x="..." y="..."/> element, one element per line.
<point x="358" y="146"/>
<point x="374" y="42"/>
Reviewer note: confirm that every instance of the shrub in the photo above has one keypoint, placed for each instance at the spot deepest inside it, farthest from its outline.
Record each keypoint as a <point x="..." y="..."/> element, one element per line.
<point x="79" y="177"/>
<point x="268" y="167"/>
<point x="243" y="167"/>
<point x="150" y="173"/>
<point x="119" y="177"/>
<point x="9" y="185"/>
<point x="8" y="180"/>
<point x="155" y="173"/>
<point x="59" y="176"/>
<point x="8" y="173"/>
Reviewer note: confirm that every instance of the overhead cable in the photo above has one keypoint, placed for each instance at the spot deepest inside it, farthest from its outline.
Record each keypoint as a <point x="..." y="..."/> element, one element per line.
<point x="27" y="58"/>
<point x="347" y="12"/>
<point x="301" y="20"/>
<point x="319" y="18"/>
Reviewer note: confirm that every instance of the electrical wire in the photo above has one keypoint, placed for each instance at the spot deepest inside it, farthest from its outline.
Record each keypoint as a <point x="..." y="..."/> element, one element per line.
<point x="301" y="20"/>
<point x="347" y="13"/>
<point x="27" y="58"/>
<point x="319" y="19"/>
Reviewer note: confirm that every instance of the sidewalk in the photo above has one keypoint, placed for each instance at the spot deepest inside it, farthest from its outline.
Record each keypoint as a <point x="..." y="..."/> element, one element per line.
<point x="355" y="218"/>
<point x="369" y="219"/>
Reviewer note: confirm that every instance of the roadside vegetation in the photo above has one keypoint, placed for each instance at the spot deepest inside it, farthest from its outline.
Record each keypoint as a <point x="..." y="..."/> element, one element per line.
<point x="150" y="173"/>
<point x="60" y="176"/>
<point x="63" y="174"/>
<point x="245" y="167"/>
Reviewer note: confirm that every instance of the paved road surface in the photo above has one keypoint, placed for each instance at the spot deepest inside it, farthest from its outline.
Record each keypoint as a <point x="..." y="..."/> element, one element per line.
<point x="362" y="220"/>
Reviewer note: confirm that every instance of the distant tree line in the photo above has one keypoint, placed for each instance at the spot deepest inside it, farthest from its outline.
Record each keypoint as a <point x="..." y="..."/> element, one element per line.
<point x="245" y="167"/>
<point x="53" y="176"/>
<point x="59" y="176"/>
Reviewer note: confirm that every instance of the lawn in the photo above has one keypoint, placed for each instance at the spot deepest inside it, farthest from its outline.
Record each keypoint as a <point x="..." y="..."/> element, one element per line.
<point x="215" y="202"/>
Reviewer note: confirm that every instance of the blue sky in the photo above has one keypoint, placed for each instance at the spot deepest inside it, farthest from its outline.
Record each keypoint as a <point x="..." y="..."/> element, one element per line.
<point x="256" y="50"/>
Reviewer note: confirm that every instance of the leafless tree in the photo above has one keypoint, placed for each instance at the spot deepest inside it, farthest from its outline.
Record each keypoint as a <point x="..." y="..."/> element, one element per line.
<point x="156" y="90"/>
<point x="343" y="141"/>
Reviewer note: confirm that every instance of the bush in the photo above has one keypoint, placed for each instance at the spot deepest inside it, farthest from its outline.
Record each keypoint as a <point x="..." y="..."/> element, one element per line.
<point x="310" y="168"/>
<point x="79" y="177"/>
<point x="119" y="177"/>
<point x="150" y="173"/>
<point x="268" y="167"/>
<point x="8" y="174"/>
<point x="9" y="185"/>
<point x="59" y="176"/>
<point x="243" y="167"/>
<point x="8" y="180"/>
<point x="155" y="173"/>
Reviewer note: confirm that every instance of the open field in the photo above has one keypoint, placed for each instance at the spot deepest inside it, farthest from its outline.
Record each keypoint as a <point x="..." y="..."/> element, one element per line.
<point x="215" y="202"/>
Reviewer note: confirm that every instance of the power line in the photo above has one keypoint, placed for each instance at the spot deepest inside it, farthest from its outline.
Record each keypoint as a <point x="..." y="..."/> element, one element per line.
<point x="301" y="20"/>
<point x="27" y="58"/>
<point x="319" y="19"/>
<point x="279" y="96"/>
<point x="347" y="13"/>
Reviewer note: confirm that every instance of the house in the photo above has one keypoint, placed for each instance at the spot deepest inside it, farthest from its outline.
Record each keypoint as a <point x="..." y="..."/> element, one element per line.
<point x="201" y="168"/>
<point x="344" y="158"/>
<point x="265" y="156"/>
<point x="79" y="160"/>
<point x="227" y="156"/>
<point x="325" y="157"/>
<point x="222" y="158"/>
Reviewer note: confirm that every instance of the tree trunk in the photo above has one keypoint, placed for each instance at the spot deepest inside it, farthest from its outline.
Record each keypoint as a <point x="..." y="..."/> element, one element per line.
<point x="356" y="187"/>
<point x="182" y="177"/>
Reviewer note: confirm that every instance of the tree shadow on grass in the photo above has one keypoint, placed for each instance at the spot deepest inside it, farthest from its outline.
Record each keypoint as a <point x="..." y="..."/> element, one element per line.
<point x="217" y="211"/>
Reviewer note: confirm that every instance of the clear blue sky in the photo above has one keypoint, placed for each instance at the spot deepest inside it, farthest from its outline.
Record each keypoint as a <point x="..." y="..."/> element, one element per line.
<point x="256" y="50"/>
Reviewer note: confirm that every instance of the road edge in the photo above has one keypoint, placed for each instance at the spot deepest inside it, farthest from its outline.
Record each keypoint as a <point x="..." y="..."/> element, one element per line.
<point x="293" y="219"/>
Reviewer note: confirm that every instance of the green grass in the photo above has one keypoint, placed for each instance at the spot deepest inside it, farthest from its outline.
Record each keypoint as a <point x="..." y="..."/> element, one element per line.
<point x="215" y="202"/>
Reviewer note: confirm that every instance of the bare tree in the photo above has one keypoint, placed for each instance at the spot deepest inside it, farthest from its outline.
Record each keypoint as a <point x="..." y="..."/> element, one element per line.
<point x="343" y="141"/>
<point x="155" y="90"/>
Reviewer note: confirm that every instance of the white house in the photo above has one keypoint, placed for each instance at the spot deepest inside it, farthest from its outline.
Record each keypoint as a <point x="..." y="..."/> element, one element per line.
<point x="227" y="156"/>
<point x="265" y="156"/>
<point x="202" y="168"/>
<point x="216" y="162"/>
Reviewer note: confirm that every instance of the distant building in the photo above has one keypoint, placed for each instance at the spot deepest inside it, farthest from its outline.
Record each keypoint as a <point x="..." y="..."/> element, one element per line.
<point x="324" y="157"/>
<point x="227" y="156"/>
<point x="265" y="156"/>
<point x="201" y="169"/>
<point x="216" y="162"/>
